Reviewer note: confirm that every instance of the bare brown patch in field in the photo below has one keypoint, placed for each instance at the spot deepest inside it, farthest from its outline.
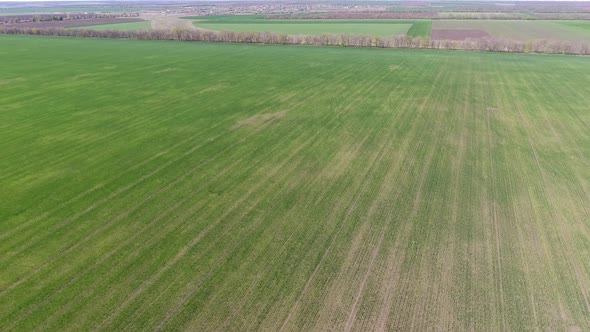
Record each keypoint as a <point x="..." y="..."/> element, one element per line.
<point x="214" y="88"/>
<point x="259" y="119"/>
<point x="340" y="162"/>
<point x="11" y="80"/>
<point x="574" y="329"/>
<point x="76" y="77"/>
<point x="165" y="70"/>
<point x="458" y="34"/>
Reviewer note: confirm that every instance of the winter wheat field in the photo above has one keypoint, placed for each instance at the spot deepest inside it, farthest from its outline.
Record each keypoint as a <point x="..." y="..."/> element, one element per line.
<point x="150" y="185"/>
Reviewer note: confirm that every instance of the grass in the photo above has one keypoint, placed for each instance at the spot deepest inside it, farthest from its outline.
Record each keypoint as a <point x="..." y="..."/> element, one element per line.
<point x="257" y="23"/>
<point x="370" y="29"/>
<point x="164" y="185"/>
<point x="581" y="25"/>
<point x="420" y="29"/>
<point x="140" y="25"/>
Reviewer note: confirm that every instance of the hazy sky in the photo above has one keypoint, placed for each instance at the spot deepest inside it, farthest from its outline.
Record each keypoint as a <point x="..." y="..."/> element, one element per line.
<point x="98" y="1"/>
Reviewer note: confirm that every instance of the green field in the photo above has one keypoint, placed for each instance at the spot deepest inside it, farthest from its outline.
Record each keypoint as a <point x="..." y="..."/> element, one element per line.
<point x="256" y="23"/>
<point x="420" y="28"/>
<point x="578" y="26"/>
<point x="361" y="29"/>
<point x="140" y="25"/>
<point x="150" y="185"/>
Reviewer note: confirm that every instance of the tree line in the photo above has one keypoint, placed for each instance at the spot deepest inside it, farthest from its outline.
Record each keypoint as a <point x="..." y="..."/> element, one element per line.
<point x="512" y="16"/>
<point x="19" y="19"/>
<point x="459" y="15"/>
<point x="345" y="40"/>
<point x="357" y="15"/>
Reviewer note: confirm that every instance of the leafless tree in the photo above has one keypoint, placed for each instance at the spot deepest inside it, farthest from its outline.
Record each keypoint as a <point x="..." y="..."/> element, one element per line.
<point x="345" y="40"/>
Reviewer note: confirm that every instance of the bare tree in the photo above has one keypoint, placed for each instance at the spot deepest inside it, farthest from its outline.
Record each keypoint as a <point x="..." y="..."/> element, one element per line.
<point x="345" y="40"/>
